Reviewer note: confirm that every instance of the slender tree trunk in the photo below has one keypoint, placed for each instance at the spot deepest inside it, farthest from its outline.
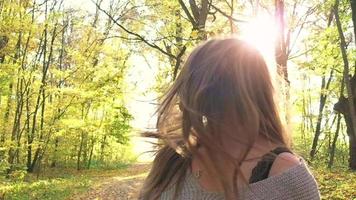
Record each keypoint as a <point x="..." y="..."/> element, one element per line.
<point x="281" y="56"/>
<point x="16" y="125"/>
<point x="42" y="95"/>
<point x="346" y="74"/>
<point x="80" y="150"/>
<point x="102" y="148"/>
<point x="91" y="153"/>
<point x="310" y="110"/>
<point x="353" y="9"/>
<point x="85" y="112"/>
<point x="350" y="115"/>
<point x="56" y="144"/>
<point x="281" y="42"/>
<point x="333" y="146"/>
<point x="7" y="114"/>
<point x="32" y="163"/>
<point x="352" y="143"/>
<point x="352" y="152"/>
<point x="85" y="148"/>
<point x="324" y="87"/>
<point x="28" y="129"/>
<point x="59" y="85"/>
<point x="197" y="16"/>
<point x="31" y="130"/>
<point x="18" y="110"/>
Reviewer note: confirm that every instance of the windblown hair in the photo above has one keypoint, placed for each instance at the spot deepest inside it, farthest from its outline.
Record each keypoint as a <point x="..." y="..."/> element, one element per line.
<point x="223" y="93"/>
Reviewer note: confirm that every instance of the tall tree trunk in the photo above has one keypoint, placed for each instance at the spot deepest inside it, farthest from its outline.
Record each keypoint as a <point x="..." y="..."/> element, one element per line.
<point x="91" y="153"/>
<point x="31" y="137"/>
<point x="353" y="10"/>
<point x="324" y="87"/>
<point x="42" y="94"/>
<point x="350" y="112"/>
<point x="7" y="113"/>
<point x="80" y="150"/>
<point x="352" y="151"/>
<point x="56" y="144"/>
<point x="16" y="124"/>
<point x="18" y="110"/>
<point x="352" y="143"/>
<point x="281" y="51"/>
<point x="31" y="130"/>
<point x="333" y="146"/>
<point x="197" y="16"/>
<point x="281" y="55"/>
<point x="85" y="148"/>
<point x="102" y="148"/>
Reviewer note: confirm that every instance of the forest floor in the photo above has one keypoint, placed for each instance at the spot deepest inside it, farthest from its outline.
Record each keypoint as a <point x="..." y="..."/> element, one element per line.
<point x="124" y="184"/>
<point x="70" y="184"/>
<point x="122" y="187"/>
<point x="337" y="184"/>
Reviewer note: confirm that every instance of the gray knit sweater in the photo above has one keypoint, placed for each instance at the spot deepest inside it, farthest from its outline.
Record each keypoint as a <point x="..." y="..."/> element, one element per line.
<point x="295" y="183"/>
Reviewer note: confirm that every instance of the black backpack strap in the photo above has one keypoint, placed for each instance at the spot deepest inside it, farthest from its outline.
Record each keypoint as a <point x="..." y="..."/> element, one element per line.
<point x="263" y="167"/>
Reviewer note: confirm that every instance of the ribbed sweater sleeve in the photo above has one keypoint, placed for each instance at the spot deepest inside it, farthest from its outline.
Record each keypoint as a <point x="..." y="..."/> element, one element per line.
<point x="296" y="183"/>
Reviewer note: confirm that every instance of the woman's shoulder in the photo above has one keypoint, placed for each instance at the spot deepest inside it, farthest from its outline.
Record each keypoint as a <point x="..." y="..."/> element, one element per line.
<point x="283" y="162"/>
<point x="289" y="178"/>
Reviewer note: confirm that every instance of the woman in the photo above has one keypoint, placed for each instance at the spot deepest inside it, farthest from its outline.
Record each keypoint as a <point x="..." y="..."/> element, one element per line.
<point x="221" y="135"/>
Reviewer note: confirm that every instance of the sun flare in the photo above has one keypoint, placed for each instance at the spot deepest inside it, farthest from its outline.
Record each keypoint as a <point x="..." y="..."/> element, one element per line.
<point x="261" y="33"/>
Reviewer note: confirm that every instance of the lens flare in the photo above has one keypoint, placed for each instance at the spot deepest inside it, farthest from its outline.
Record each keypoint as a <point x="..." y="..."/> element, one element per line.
<point x="261" y="33"/>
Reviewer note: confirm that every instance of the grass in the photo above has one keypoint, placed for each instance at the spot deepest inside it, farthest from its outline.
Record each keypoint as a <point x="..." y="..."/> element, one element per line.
<point x="46" y="189"/>
<point x="336" y="184"/>
<point x="55" y="184"/>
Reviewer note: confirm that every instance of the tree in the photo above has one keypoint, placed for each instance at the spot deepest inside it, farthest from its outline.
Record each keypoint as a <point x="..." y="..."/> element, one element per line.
<point x="346" y="105"/>
<point x="59" y="68"/>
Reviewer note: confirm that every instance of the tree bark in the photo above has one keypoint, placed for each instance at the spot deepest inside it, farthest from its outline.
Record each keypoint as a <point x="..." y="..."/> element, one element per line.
<point x="346" y="74"/>
<point x="333" y="146"/>
<point x="281" y="56"/>
<point x="348" y="104"/>
<point x="80" y="151"/>
<point x="54" y="161"/>
<point x="18" y="110"/>
<point x="281" y="51"/>
<point x="197" y="15"/>
<point x="102" y="148"/>
<point x="42" y="95"/>
<point x="91" y="153"/>
<point x="324" y="87"/>
<point x="353" y="10"/>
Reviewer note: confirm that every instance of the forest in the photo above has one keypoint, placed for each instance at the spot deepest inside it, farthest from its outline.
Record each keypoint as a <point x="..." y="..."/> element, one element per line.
<point x="80" y="79"/>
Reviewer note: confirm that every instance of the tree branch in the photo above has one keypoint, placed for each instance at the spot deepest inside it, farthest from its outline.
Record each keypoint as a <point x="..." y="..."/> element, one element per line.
<point x="203" y="14"/>
<point x="134" y="34"/>
<point x="179" y="60"/>
<point x="195" y="10"/>
<point x="185" y="9"/>
<point x="226" y="15"/>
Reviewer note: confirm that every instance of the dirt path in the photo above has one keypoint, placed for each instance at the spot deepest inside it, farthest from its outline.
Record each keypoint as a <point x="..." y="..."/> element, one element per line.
<point x="122" y="187"/>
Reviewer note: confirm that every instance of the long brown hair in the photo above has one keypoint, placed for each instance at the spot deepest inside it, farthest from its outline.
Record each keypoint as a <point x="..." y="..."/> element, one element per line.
<point x="223" y="93"/>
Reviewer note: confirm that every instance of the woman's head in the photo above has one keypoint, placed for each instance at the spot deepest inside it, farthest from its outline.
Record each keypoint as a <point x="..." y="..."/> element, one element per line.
<point x="224" y="92"/>
<point x="223" y="95"/>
